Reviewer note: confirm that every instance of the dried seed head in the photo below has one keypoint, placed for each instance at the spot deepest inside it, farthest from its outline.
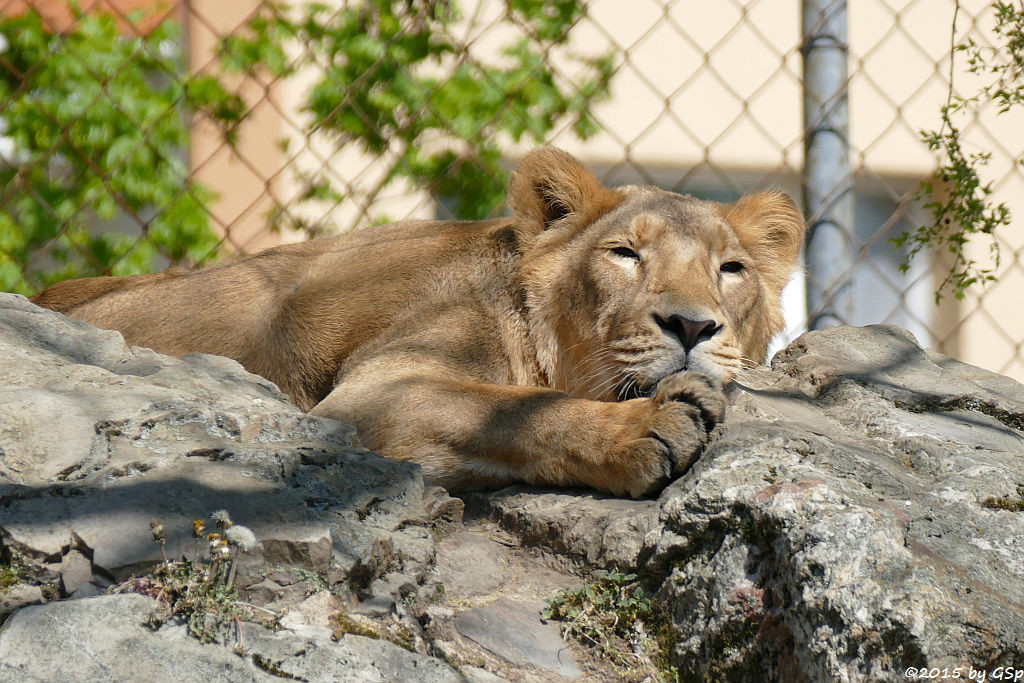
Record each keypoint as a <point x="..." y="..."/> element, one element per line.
<point x="241" y="536"/>
<point x="222" y="518"/>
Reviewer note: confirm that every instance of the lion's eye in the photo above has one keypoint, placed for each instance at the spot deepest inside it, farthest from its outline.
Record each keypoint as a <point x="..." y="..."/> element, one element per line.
<point x="626" y="252"/>
<point x="731" y="267"/>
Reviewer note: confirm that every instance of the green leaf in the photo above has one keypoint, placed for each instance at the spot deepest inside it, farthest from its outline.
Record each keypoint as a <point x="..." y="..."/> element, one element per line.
<point x="100" y="117"/>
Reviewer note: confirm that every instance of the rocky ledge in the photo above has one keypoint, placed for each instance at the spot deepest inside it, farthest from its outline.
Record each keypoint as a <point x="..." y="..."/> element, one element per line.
<point x="861" y="512"/>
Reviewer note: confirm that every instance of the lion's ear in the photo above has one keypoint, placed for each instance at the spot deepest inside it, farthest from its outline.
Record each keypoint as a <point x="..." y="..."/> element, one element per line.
<point x="771" y="228"/>
<point x="550" y="185"/>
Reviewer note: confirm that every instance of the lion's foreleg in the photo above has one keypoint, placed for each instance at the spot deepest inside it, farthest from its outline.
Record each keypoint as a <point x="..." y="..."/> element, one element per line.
<point x="468" y="434"/>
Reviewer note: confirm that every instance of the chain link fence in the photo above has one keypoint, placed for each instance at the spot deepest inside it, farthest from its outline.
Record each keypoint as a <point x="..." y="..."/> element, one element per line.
<point x="140" y="134"/>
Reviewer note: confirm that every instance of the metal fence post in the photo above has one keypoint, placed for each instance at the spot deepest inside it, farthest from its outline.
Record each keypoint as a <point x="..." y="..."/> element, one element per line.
<point x="827" y="179"/>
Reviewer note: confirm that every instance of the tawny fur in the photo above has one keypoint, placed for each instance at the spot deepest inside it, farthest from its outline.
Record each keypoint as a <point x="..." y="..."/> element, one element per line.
<point x="541" y="348"/>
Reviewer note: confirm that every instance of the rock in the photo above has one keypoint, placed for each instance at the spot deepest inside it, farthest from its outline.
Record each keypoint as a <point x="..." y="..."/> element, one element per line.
<point x="835" y="529"/>
<point x="479" y="562"/>
<point x="315" y="611"/>
<point x="75" y="571"/>
<point x="377" y="606"/>
<point x="143" y="436"/>
<point x="515" y="632"/>
<point x="467" y="565"/>
<point x="591" y="528"/>
<point x="441" y="510"/>
<point x="355" y="658"/>
<point x="105" y="639"/>
<point x="309" y="549"/>
<point x="475" y="675"/>
<point x="351" y="659"/>
<point x="861" y="511"/>
<point x="19" y="595"/>
<point x="89" y="590"/>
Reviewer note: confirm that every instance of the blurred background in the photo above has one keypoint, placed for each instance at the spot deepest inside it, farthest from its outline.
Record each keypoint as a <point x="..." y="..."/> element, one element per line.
<point x="139" y="134"/>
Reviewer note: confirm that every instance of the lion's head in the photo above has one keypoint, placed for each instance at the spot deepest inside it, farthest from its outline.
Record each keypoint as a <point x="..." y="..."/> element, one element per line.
<point x="626" y="286"/>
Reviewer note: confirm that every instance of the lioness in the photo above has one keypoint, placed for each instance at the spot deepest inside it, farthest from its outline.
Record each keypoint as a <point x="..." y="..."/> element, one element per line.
<point x="583" y="340"/>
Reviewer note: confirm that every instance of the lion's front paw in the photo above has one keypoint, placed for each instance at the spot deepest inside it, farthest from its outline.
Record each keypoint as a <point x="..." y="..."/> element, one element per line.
<point x="697" y="389"/>
<point x="687" y="407"/>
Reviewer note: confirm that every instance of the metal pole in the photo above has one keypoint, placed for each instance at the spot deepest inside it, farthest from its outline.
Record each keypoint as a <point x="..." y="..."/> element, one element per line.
<point x="827" y="179"/>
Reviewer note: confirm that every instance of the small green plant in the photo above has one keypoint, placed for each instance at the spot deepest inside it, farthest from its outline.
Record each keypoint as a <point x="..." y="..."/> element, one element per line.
<point x="315" y="581"/>
<point x="201" y="592"/>
<point x="1006" y="502"/>
<point x="197" y="593"/>
<point x="12" y="572"/>
<point x="21" y="569"/>
<point x="616" y="617"/>
<point x="959" y="200"/>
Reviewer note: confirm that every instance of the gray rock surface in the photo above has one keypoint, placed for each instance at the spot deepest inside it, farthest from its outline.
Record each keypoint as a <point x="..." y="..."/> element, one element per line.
<point x="589" y="528"/>
<point x="515" y="632"/>
<point x="105" y="639"/>
<point x="835" y="529"/>
<point x="97" y="438"/>
<point x="857" y="514"/>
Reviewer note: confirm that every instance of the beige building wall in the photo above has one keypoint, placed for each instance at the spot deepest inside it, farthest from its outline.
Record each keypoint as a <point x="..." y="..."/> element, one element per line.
<point x="707" y="95"/>
<point x="248" y="177"/>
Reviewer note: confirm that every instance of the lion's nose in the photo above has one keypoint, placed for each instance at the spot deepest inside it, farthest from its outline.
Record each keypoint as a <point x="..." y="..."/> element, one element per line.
<point x="688" y="332"/>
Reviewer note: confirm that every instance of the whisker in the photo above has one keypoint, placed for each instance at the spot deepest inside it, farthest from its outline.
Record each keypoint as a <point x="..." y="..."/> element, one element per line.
<point x="597" y="368"/>
<point x="627" y="386"/>
<point x="594" y="370"/>
<point x="590" y="358"/>
<point x="609" y="383"/>
<point x="614" y="380"/>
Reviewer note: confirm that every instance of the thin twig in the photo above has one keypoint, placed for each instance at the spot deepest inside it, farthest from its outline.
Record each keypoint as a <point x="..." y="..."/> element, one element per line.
<point x="257" y="607"/>
<point x="952" y="62"/>
<point x="239" y="639"/>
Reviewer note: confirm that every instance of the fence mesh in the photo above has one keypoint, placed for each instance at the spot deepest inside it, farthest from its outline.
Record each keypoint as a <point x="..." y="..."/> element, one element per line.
<point x="138" y="134"/>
